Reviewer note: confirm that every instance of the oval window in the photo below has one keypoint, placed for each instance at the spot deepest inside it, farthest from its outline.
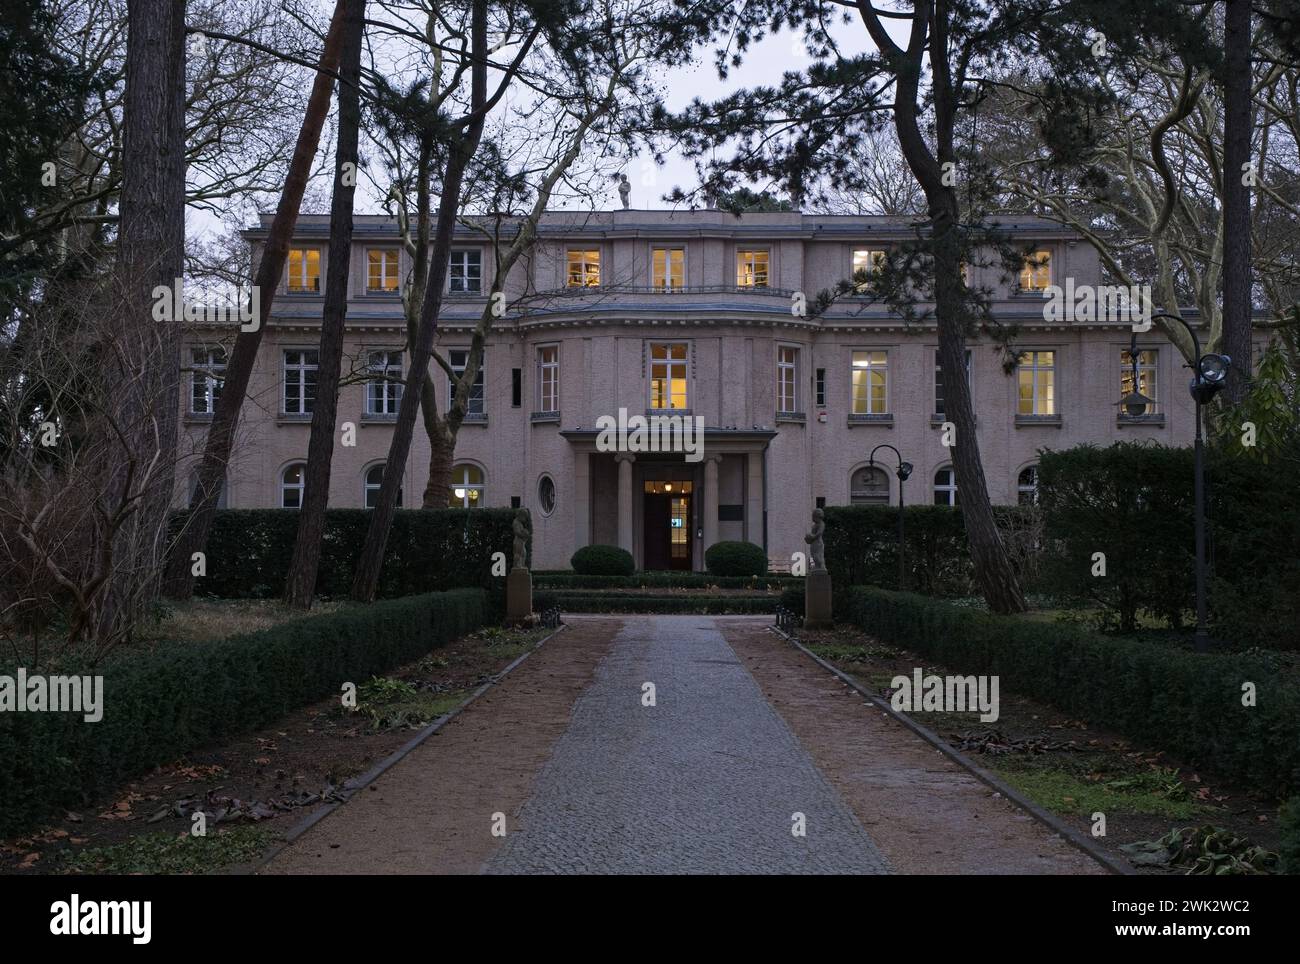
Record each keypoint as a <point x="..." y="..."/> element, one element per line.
<point x="546" y="494"/>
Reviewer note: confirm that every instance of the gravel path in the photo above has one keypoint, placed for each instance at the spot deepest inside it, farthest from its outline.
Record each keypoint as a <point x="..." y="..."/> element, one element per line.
<point x="708" y="780"/>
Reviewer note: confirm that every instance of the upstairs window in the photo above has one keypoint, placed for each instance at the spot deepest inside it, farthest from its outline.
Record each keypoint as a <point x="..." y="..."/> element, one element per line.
<point x="459" y="359"/>
<point x="1036" y="273"/>
<point x="787" y="379"/>
<point x="584" y="267"/>
<point x="300" y="370"/>
<point x="548" y="378"/>
<point x="1036" y="383"/>
<point x="668" y="268"/>
<point x="751" y="269"/>
<point x="381" y="270"/>
<point x="870" y="383"/>
<point x="466" y="272"/>
<point x="668" y="376"/>
<point x="304" y="270"/>
<point x="209" y="370"/>
<point x="867" y="262"/>
<point x="384" y="387"/>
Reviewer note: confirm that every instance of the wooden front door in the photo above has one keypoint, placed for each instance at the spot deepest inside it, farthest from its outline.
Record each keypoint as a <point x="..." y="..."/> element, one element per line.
<point x="667" y="539"/>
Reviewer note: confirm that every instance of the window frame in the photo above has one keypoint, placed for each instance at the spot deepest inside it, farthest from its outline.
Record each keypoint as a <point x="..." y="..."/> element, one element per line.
<point x="938" y="411"/>
<point x="367" y="486"/>
<point x="543" y="367"/>
<point x="1030" y="268"/>
<point x="953" y="496"/>
<point x="555" y="492"/>
<point x="206" y="371"/>
<point x="1022" y="489"/>
<point x="479" y="384"/>
<point x="383" y="271"/>
<point x="854" y="369"/>
<point x="585" y="273"/>
<point x="671" y="363"/>
<point x="302" y="368"/>
<point x="463" y="255"/>
<point x="787" y="372"/>
<point x="668" y="251"/>
<point x="481" y="486"/>
<point x="876" y="262"/>
<point x="1035" y="368"/>
<point x="391" y="389"/>
<point x="289" y="287"/>
<point x="766" y="252"/>
<point x="300" y="487"/>
<point x="1152" y="371"/>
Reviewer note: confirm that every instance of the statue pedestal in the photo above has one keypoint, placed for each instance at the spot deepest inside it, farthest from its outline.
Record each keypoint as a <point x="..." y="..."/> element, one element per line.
<point x="519" y="596"/>
<point x="817" y="600"/>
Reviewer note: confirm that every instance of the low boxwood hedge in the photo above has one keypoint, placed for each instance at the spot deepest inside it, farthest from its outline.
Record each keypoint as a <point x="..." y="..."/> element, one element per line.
<point x="595" y="602"/>
<point x="1186" y="704"/>
<point x="661" y="580"/>
<point x="159" y="705"/>
<point x="735" y="559"/>
<point x="602" y="561"/>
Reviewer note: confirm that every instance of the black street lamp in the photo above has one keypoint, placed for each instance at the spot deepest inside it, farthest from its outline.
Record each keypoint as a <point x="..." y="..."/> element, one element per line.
<point x="1208" y="374"/>
<point x="903" y="471"/>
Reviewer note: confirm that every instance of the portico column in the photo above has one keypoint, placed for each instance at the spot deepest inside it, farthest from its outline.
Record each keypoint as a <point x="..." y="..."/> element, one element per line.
<point x="754" y="498"/>
<point x="625" y="500"/>
<point x="711" y="500"/>
<point x="582" y="499"/>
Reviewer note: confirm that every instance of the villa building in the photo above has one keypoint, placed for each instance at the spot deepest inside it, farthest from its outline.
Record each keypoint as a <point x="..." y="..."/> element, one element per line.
<point x="682" y="312"/>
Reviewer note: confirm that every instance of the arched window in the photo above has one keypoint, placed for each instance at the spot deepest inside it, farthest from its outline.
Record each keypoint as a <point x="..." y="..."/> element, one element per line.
<point x="546" y="494"/>
<point x="292" y="480"/>
<point x="1027" y="486"/>
<point x="466" y="487"/>
<point x="945" y="487"/>
<point x="374" y="478"/>
<point x="869" y="485"/>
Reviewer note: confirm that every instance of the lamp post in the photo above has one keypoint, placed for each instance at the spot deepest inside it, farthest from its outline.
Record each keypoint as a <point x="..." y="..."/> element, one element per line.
<point x="903" y="471"/>
<point x="1208" y="374"/>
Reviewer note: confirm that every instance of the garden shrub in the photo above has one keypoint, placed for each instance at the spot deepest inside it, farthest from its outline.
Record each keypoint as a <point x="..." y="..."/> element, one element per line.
<point x="604" y="602"/>
<point x="602" y="561"/>
<point x="1189" y="705"/>
<point x="161" y="704"/>
<point x="428" y="550"/>
<point x="661" y="580"/>
<point x="735" y="559"/>
<point x="1288" y="825"/>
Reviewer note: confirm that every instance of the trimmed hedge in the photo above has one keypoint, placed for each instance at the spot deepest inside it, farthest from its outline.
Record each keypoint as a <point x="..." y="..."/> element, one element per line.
<point x="862" y="546"/>
<point x="1186" y="704"/>
<point x="735" y="559"/>
<point x="160" y="705"/>
<point x="661" y="580"/>
<point x="602" y="561"/>
<point x="428" y="550"/>
<point x="596" y="602"/>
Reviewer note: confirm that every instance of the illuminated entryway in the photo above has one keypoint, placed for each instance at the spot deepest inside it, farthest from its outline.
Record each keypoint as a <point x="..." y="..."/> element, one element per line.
<point x="669" y="530"/>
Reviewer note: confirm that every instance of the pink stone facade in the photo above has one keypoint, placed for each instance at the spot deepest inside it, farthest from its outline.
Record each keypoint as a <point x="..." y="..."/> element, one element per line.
<point x="764" y="468"/>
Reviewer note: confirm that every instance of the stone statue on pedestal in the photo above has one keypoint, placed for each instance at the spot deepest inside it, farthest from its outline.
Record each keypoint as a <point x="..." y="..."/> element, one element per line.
<point x="523" y="529"/>
<point x="816" y="547"/>
<point x="624" y="190"/>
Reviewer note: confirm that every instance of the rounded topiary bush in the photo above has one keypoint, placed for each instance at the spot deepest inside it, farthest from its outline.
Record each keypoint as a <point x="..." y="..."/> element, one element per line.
<point x="602" y="561"/>
<point x="736" y="559"/>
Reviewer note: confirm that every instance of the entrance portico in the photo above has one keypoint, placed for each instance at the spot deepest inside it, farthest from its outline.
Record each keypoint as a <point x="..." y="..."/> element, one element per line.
<point x="665" y="510"/>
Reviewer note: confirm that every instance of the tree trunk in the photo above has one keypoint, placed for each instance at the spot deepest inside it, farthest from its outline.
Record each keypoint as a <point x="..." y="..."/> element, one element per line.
<point x="142" y="366"/>
<point x="300" y="584"/>
<point x="442" y="451"/>
<point x="221" y="434"/>
<point x="1238" y="122"/>
<point x="993" y="569"/>
<point x="366" y="580"/>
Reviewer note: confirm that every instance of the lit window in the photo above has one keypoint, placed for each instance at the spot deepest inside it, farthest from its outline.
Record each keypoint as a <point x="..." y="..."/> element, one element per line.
<point x="668" y="376"/>
<point x="292" y="480"/>
<point x="938" y="382"/>
<point x="458" y="360"/>
<point x="384" y="387"/>
<point x="209" y="369"/>
<point x="300" y="369"/>
<point x="381" y="270"/>
<point x="466" y="274"/>
<point x="546" y="494"/>
<point x="787" y="379"/>
<point x="304" y="269"/>
<point x="668" y="268"/>
<point x="1027" y="486"/>
<point x="869" y="486"/>
<point x="867" y="263"/>
<point x="466" y="487"/>
<point x="1146" y="378"/>
<point x="751" y="269"/>
<point x="374" y="480"/>
<point x="1036" y="273"/>
<point x="870" y="383"/>
<point x="584" y="267"/>
<point x="945" y="487"/>
<point x="1036" y="383"/>
<point x="548" y="378"/>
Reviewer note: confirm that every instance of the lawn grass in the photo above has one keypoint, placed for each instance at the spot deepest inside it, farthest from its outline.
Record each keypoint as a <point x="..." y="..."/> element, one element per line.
<point x="167" y="853"/>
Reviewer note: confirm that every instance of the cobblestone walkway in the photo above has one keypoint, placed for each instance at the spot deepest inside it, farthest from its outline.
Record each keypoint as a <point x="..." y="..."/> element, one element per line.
<point x="706" y="781"/>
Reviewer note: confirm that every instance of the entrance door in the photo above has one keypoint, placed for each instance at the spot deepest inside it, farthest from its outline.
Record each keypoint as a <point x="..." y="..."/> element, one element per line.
<point x="667" y="531"/>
